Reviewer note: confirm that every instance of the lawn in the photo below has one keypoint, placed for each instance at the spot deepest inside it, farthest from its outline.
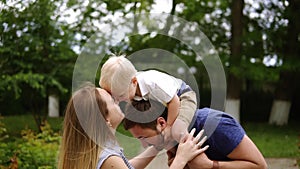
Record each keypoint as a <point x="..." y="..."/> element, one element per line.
<point x="273" y="141"/>
<point x="14" y="124"/>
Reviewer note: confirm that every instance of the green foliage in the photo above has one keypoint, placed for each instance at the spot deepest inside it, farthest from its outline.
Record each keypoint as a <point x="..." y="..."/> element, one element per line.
<point x="3" y="131"/>
<point x="39" y="150"/>
<point x="34" y="150"/>
<point x="36" y="43"/>
<point x="36" y="55"/>
<point x="42" y="49"/>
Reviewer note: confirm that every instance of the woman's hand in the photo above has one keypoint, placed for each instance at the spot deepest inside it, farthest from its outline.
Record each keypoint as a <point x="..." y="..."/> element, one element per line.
<point x="188" y="148"/>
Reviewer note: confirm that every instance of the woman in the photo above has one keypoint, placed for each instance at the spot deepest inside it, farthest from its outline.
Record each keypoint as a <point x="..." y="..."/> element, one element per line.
<point x="89" y="141"/>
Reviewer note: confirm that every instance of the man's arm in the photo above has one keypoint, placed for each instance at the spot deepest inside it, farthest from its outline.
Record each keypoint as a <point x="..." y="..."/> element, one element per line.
<point x="245" y="156"/>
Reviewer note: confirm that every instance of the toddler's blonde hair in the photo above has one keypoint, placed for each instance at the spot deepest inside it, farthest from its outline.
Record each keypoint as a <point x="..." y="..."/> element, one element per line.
<point x="116" y="74"/>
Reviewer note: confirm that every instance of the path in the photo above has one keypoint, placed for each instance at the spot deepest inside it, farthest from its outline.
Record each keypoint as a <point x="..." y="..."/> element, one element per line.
<point x="273" y="163"/>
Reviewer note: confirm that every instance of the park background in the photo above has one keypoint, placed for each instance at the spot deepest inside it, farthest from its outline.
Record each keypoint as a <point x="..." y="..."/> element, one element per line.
<point x="258" y="42"/>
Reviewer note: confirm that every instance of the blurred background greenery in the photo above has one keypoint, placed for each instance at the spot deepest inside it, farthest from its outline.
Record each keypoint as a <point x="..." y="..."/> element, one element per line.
<point x="258" y="42"/>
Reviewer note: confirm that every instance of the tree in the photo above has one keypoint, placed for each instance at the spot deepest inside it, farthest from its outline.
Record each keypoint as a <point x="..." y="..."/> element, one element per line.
<point x="289" y="52"/>
<point x="234" y="82"/>
<point x="36" y="56"/>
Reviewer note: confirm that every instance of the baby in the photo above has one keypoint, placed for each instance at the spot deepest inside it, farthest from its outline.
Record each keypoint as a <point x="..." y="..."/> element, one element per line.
<point x="120" y="78"/>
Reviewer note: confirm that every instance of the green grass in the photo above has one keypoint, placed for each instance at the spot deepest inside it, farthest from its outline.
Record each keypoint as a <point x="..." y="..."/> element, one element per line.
<point x="131" y="145"/>
<point x="273" y="141"/>
<point x="15" y="124"/>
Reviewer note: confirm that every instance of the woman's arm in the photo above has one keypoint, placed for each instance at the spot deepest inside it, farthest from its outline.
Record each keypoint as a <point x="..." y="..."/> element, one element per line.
<point x="188" y="149"/>
<point x="114" y="162"/>
<point x="143" y="159"/>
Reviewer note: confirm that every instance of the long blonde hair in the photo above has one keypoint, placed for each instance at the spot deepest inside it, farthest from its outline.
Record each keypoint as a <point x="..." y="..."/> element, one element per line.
<point x="85" y="131"/>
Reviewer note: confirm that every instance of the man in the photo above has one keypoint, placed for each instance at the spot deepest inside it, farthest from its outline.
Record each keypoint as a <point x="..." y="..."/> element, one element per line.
<point x="229" y="146"/>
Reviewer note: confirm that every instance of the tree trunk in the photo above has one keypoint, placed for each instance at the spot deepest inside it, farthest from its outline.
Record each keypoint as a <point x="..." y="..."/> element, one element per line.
<point x="282" y="101"/>
<point x="280" y="112"/>
<point x="170" y="18"/>
<point x="285" y="87"/>
<point x="53" y="106"/>
<point x="234" y="83"/>
<point x="232" y="106"/>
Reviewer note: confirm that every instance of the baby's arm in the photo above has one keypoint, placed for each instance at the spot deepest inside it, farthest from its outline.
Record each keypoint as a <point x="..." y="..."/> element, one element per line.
<point x="176" y="127"/>
<point x="173" y="110"/>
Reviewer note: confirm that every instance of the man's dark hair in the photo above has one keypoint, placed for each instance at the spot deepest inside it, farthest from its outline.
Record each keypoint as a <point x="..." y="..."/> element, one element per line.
<point x="144" y="113"/>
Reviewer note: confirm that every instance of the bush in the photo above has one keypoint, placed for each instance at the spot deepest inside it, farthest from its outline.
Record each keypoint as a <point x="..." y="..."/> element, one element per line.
<point x="3" y="131"/>
<point x="33" y="150"/>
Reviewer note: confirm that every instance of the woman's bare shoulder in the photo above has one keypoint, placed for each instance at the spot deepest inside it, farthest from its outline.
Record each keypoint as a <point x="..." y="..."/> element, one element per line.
<point x="114" y="162"/>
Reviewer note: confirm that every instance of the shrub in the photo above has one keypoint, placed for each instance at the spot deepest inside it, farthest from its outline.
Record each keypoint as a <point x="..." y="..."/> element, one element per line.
<point x="3" y="131"/>
<point x="33" y="150"/>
